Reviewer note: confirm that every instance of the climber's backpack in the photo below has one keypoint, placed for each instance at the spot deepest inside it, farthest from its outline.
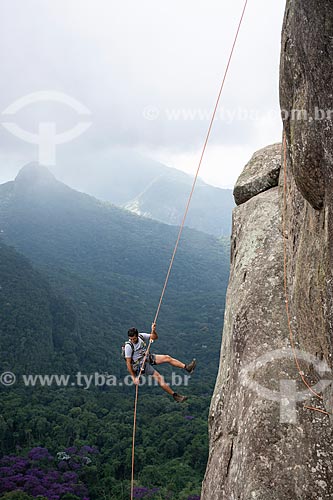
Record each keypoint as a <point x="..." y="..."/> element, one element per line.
<point x="143" y="345"/>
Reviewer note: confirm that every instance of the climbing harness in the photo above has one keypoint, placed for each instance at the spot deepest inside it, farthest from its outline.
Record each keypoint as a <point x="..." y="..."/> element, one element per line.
<point x="180" y="233"/>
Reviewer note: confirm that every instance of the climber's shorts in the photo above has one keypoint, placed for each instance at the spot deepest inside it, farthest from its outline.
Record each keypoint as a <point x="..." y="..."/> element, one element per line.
<point x="148" y="368"/>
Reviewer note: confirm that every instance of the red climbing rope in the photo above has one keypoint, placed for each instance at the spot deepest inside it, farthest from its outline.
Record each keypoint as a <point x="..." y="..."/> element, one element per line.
<point x="181" y="230"/>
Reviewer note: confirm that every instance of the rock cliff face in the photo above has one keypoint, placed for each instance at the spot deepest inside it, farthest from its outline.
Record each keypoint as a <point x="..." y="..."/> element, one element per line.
<point x="259" y="174"/>
<point x="264" y="443"/>
<point x="307" y="82"/>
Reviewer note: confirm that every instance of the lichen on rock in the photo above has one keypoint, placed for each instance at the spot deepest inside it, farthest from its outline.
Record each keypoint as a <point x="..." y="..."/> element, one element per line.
<point x="254" y="453"/>
<point x="259" y="174"/>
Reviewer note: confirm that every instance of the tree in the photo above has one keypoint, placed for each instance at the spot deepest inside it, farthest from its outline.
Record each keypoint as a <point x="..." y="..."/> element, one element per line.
<point x="18" y="495"/>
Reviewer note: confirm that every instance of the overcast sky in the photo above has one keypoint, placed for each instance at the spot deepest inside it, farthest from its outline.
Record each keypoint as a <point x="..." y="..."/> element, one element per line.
<point x="148" y="72"/>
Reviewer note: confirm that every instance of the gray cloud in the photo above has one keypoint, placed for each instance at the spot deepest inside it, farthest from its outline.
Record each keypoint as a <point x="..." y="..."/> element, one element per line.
<point x="118" y="58"/>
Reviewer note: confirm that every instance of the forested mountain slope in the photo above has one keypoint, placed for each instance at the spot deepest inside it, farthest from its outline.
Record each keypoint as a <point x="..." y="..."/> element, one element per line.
<point x="149" y="188"/>
<point x="111" y="265"/>
<point x="37" y="326"/>
<point x="90" y="271"/>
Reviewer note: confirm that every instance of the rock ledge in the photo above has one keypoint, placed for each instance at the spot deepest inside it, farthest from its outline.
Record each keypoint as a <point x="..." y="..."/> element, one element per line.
<point x="259" y="174"/>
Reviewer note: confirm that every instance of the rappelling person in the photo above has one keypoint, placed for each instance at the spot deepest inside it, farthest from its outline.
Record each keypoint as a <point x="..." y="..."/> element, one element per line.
<point x="134" y="352"/>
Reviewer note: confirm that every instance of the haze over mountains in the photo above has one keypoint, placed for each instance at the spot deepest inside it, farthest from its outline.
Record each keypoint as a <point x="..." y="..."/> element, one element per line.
<point x="75" y="274"/>
<point x="151" y="189"/>
<point x="105" y="268"/>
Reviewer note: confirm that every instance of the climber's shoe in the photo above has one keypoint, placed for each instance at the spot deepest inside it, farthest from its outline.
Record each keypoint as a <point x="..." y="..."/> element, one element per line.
<point x="179" y="398"/>
<point x="191" y="366"/>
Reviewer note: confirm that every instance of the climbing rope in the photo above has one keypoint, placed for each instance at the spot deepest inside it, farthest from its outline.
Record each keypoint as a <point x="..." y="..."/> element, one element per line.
<point x="180" y="233"/>
<point x="291" y="335"/>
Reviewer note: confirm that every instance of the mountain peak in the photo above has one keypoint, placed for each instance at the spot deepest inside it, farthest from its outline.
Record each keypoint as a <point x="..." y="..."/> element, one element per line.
<point x="33" y="173"/>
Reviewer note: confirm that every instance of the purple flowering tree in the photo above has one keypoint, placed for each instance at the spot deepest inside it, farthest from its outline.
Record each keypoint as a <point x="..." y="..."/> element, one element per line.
<point x="40" y="475"/>
<point x="142" y="492"/>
